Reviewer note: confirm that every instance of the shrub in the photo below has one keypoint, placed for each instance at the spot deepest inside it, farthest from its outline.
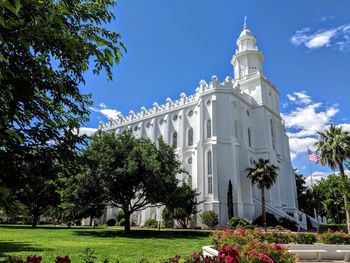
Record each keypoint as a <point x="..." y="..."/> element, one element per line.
<point x="121" y="222"/>
<point x="168" y="218"/>
<point x="119" y="216"/>
<point x="338" y="238"/>
<point x="238" y="222"/>
<point x="111" y="222"/>
<point x="271" y="220"/>
<point x="288" y="224"/>
<point x="65" y="259"/>
<point x="151" y="223"/>
<point x="209" y="218"/>
<point x="322" y="228"/>
<point x="304" y="238"/>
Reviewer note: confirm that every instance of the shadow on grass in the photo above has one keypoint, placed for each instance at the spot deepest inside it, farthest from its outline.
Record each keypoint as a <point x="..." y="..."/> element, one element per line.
<point x="57" y="227"/>
<point x="146" y="233"/>
<point x="7" y="248"/>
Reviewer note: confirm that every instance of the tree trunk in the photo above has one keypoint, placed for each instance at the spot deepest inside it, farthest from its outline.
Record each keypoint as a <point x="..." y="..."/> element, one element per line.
<point x="263" y="210"/>
<point x="127" y="222"/>
<point x="90" y="224"/>
<point x="35" y="220"/>
<point x="346" y="198"/>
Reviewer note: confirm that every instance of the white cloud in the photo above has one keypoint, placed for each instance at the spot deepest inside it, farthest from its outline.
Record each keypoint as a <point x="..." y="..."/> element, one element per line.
<point x="108" y="113"/>
<point x="87" y="131"/>
<point x="325" y="18"/>
<point x="299" y="97"/>
<point x="305" y="120"/>
<point x="102" y="105"/>
<point x="338" y="38"/>
<point x="318" y="175"/>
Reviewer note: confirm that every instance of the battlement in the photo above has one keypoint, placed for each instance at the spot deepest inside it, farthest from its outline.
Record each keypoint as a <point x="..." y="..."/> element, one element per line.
<point x="183" y="101"/>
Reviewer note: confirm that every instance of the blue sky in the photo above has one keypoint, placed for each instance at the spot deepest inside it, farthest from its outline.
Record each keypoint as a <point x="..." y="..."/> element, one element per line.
<point x="172" y="45"/>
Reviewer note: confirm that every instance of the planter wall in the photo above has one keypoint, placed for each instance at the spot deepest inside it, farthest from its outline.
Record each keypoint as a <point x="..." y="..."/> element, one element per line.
<point x="330" y="255"/>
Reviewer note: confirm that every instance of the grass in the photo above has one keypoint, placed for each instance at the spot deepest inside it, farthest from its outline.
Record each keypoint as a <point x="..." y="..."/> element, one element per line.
<point x="108" y="242"/>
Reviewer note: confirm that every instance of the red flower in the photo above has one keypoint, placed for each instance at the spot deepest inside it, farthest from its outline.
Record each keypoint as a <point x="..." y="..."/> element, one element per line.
<point x="277" y="247"/>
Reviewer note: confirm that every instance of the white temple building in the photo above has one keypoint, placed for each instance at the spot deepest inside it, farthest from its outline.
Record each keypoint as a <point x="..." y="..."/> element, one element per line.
<point x="218" y="132"/>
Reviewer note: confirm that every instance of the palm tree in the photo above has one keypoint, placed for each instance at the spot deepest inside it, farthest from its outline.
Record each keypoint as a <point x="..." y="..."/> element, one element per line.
<point x="334" y="149"/>
<point x="263" y="175"/>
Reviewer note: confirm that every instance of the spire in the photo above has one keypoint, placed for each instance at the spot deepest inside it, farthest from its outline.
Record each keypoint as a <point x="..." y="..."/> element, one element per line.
<point x="245" y="23"/>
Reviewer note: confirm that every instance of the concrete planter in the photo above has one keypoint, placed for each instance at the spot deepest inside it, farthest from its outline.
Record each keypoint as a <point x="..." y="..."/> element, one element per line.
<point x="330" y="255"/>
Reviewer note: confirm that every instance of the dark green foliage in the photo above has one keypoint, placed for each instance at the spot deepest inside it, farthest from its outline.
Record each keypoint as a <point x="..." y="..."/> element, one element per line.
<point x="335" y="238"/>
<point x="238" y="222"/>
<point x="121" y="222"/>
<point x="322" y="228"/>
<point x="111" y="222"/>
<point x="168" y="218"/>
<point x="229" y="200"/>
<point x="304" y="238"/>
<point x="271" y="220"/>
<point x="288" y="224"/>
<point x="209" y="218"/>
<point x="119" y="215"/>
<point x="181" y="204"/>
<point x="134" y="172"/>
<point x="151" y="223"/>
<point x="263" y="175"/>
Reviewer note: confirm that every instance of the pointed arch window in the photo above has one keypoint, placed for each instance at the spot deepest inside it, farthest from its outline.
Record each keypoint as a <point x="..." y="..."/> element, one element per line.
<point x="209" y="163"/>
<point x="208" y="129"/>
<point x="190" y="137"/>
<point x="273" y="134"/>
<point x="174" y="140"/>
<point x="249" y="138"/>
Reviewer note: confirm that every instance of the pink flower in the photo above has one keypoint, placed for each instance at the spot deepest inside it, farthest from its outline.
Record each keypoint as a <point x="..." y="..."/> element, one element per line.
<point x="277" y="247"/>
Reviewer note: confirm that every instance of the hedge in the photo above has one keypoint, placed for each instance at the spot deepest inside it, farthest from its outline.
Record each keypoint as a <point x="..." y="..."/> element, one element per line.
<point x="322" y="228"/>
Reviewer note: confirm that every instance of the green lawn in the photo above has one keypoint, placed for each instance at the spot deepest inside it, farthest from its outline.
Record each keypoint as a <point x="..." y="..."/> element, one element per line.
<point x="109" y="242"/>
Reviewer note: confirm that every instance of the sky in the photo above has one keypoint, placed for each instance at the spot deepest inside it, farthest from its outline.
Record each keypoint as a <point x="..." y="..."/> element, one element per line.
<point x="173" y="44"/>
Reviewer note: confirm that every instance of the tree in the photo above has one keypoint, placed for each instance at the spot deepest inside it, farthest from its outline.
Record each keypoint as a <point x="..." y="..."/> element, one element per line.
<point x="135" y="173"/>
<point x="32" y="177"/>
<point x="209" y="218"/>
<point x="229" y="200"/>
<point x="334" y="149"/>
<point x="181" y="204"/>
<point x="46" y="46"/>
<point x="263" y="175"/>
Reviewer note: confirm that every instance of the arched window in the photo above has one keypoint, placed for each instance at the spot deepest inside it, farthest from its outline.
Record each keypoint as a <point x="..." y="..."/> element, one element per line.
<point x="210" y="184"/>
<point x="209" y="163"/>
<point x="190" y="137"/>
<point x="208" y="129"/>
<point x="272" y="135"/>
<point x="249" y="138"/>
<point x="174" y="140"/>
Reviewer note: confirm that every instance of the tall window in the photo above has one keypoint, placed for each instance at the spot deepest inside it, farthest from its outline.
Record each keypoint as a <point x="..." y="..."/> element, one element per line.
<point x="174" y="139"/>
<point x="249" y="138"/>
<point x="190" y="137"/>
<point x="209" y="163"/>
<point x="208" y="129"/>
<point x="236" y="130"/>
<point x="210" y="185"/>
<point x="272" y="135"/>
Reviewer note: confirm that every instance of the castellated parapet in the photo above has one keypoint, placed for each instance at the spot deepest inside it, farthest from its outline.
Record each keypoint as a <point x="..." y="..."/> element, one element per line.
<point x="204" y="88"/>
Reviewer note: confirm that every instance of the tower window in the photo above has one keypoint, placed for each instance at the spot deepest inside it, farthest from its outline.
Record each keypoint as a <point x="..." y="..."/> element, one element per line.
<point x="209" y="163"/>
<point x="249" y="138"/>
<point x="272" y="135"/>
<point x="210" y="185"/>
<point x="190" y="113"/>
<point x="190" y="137"/>
<point x="174" y="139"/>
<point x="208" y="129"/>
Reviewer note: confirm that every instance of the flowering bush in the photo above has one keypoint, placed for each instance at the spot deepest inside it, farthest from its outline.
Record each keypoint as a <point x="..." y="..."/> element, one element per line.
<point x="304" y="238"/>
<point x="335" y="238"/>
<point x="65" y="259"/>
<point x="228" y="237"/>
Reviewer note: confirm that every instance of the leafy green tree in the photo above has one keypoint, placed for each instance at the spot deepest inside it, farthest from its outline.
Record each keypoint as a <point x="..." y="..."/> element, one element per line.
<point x="135" y="173"/>
<point x="263" y="175"/>
<point x="9" y="205"/>
<point x="46" y="46"/>
<point x="181" y="204"/>
<point x="32" y="176"/>
<point x="334" y="148"/>
<point x="209" y="218"/>
<point x="329" y="195"/>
